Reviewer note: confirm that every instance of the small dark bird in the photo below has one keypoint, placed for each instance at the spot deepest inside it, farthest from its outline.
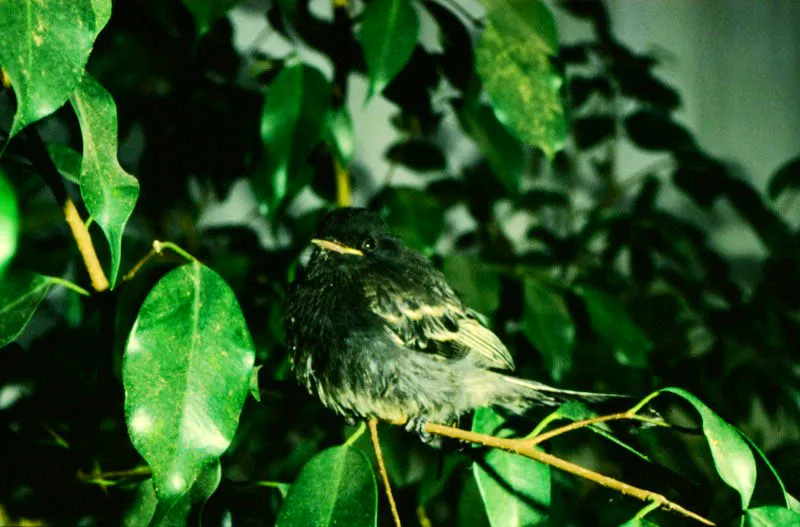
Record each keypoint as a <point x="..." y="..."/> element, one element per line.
<point x="374" y="330"/>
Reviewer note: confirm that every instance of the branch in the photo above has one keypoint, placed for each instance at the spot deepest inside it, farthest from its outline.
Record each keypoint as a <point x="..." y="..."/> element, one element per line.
<point x="524" y="447"/>
<point x="342" y="184"/>
<point x="84" y="240"/>
<point x="540" y="438"/>
<point x="373" y="432"/>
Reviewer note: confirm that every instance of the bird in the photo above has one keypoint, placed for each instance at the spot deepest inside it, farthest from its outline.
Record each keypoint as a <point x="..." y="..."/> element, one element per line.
<point x="374" y="330"/>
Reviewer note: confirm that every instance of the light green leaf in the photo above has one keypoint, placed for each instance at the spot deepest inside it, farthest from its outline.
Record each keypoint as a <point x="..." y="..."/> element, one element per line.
<point x="512" y="58"/>
<point x="504" y="153"/>
<point x="43" y="50"/>
<point x="339" y="134"/>
<point x="255" y="391"/>
<point x="732" y="457"/>
<point x="9" y="223"/>
<point x="20" y="295"/>
<point x="612" y="324"/>
<point x="638" y="522"/>
<point x="186" y="372"/>
<point x="102" y="13"/>
<point x="515" y="489"/>
<point x="791" y="503"/>
<point x="337" y="487"/>
<point x="109" y="192"/>
<point x="477" y="284"/>
<point x="67" y="161"/>
<point x="388" y="34"/>
<point x="547" y="324"/>
<point x="291" y="126"/>
<point x="206" y="12"/>
<point x="771" y="516"/>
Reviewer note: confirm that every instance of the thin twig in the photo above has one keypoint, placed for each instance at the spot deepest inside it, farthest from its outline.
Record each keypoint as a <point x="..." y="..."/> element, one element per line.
<point x="524" y="448"/>
<point x="342" y="184"/>
<point x="157" y="250"/>
<point x="376" y="444"/>
<point x="85" y="246"/>
<point x="103" y="477"/>
<point x="540" y="438"/>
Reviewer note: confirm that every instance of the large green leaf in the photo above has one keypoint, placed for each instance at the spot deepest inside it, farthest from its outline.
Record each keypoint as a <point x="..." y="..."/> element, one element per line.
<point x="504" y="153"/>
<point x="20" y="295"/>
<point x="388" y="34"/>
<point x="337" y="487"/>
<point x="771" y="516"/>
<point x="477" y="284"/>
<point x="206" y="12"/>
<point x="67" y="161"/>
<point x="44" y="47"/>
<point x="109" y="192"/>
<point x="732" y="456"/>
<point x="186" y="372"/>
<point x="515" y="489"/>
<point x="512" y="58"/>
<point x="294" y="113"/>
<point x="9" y="222"/>
<point x="547" y="324"/>
<point x="612" y="324"/>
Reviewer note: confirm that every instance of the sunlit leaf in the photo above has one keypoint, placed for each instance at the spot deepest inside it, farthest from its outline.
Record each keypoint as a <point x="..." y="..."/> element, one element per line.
<point x="771" y="516"/>
<point x="291" y="125"/>
<point x="337" y="487"/>
<point x="43" y="50"/>
<point x="102" y="14"/>
<point x="186" y="373"/>
<point x="476" y="283"/>
<point x="547" y="324"/>
<point x="67" y="161"/>
<point x="504" y="153"/>
<point x="9" y="222"/>
<point x="388" y="34"/>
<point x="612" y="324"/>
<point x="515" y="489"/>
<point x="732" y="456"/>
<point x="512" y="58"/>
<point x="109" y="192"/>
<point x="339" y="134"/>
<point x="206" y="12"/>
<point x="20" y="295"/>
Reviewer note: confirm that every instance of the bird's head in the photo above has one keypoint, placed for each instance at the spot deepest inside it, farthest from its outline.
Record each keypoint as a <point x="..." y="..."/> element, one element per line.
<point x="356" y="236"/>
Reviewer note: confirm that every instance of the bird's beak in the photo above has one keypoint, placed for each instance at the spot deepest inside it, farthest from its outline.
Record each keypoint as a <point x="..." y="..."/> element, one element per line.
<point x="336" y="247"/>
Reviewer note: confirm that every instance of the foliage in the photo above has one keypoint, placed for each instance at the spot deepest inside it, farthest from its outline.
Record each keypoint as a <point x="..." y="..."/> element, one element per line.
<point x="127" y="405"/>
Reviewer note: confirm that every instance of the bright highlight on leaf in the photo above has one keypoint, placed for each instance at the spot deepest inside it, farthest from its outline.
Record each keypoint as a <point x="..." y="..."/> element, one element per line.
<point x="186" y="373"/>
<point x="44" y="47"/>
<point x="109" y="192"/>
<point x="388" y="34"/>
<point x="9" y="223"/>
<point x="513" y="61"/>
<point x="337" y="487"/>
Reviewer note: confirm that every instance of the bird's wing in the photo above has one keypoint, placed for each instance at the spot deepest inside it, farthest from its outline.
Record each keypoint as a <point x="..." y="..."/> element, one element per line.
<point x="435" y="321"/>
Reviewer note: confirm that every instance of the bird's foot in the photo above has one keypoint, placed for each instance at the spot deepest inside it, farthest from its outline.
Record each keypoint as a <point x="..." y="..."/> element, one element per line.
<point x="417" y="425"/>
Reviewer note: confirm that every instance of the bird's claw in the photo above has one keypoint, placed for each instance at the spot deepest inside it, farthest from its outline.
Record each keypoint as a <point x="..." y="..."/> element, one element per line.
<point x="417" y="425"/>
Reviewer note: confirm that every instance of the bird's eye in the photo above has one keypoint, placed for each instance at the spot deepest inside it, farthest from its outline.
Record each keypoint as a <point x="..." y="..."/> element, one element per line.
<point x="368" y="244"/>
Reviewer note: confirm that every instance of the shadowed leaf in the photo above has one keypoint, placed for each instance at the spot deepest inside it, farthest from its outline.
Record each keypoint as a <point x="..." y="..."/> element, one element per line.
<point x="547" y="324"/>
<point x="787" y="177"/>
<point x="20" y="295"/>
<point x="206" y="12"/>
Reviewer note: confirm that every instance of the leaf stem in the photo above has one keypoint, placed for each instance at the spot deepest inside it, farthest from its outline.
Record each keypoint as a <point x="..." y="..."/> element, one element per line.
<point x="646" y="510"/>
<point x="342" y="184"/>
<point x="355" y="435"/>
<point x="540" y="438"/>
<point x="103" y="477"/>
<point x="376" y="444"/>
<point x="84" y="241"/>
<point x="157" y="249"/>
<point x="69" y="285"/>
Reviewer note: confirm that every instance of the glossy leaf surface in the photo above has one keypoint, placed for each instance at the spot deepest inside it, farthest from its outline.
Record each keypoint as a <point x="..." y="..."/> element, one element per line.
<point x="771" y="516"/>
<point x="547" y="324"/>
<point x="9" y="222"/>
<point x="44" y="47"/>
<point x="512" y="58"/>
<point x="337" y="487"/>
<point x="109" y="192"/>
<point x="388" y="34"/>
<point x="732" y="456"/>
<point x="186" y="372"/>
<point x="20" y="295"/>
<point x="515" y="489"/>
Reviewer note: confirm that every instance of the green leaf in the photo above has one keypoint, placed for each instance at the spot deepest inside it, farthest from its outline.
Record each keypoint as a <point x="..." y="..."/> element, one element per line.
<point x="638" y="522"/>
<point x="291" y="126"/>
<point x="9" y="223"/>
<point x="612" y="324"/>
<point x="417" y="154"/>
<point x="20" y="295"/>
<point x="771" y="516"/>
<point x="732" y="457"/>
<point x="102" y="14"/>
<point x="476" y="283"/>
<point x="512" y="58"/>
<point x="186" y="372"/>
<point x="504" y="153"/>
<point x="206" y="12"/>
<point x="339" y="134"/>
<point x="337" y="487"/>
<point x="67" y="161"/>
<point x="515" y="489"/>
<point x="415" y="216"/>
<point x="388" y="34"/>
<point x="547" y="324"/>
<point x="43" y="50"/>
<point x="790" y="501"/>
<point x="108" y="192"/>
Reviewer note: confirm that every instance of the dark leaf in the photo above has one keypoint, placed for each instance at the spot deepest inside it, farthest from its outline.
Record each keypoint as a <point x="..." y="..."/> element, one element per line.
<point x="546" y="322"/>
<point x="457" y="61"/>
<point x="417" y="154"/>
<point x="787" y="177"/>
<point x="589" y="131"/>
<point x="653" y="131"/>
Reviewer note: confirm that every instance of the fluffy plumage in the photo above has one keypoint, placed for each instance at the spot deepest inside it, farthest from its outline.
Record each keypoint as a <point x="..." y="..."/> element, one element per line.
<point x="374" y="330"/>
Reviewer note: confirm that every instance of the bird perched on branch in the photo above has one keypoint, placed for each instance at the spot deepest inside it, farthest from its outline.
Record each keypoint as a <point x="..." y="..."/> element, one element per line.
<point x="374" y="330"/>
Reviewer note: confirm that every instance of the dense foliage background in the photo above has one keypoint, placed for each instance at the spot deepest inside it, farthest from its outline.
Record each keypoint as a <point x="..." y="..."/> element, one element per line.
<point x="595" y="282"/>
